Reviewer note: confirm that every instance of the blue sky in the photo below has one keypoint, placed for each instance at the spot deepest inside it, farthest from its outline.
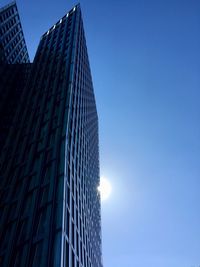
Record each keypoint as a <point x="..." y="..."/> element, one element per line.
<point x="145" y="63"/>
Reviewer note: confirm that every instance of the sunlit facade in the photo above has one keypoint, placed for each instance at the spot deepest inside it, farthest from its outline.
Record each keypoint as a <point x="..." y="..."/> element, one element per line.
<point x="49" y="172"/>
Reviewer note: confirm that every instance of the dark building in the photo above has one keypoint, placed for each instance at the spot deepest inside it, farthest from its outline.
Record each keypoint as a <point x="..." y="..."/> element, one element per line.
<point x="13" y="76"/>
<point x="12" y="44"/>
<point x="13" y="79"/>
<point x="49" y="165"/>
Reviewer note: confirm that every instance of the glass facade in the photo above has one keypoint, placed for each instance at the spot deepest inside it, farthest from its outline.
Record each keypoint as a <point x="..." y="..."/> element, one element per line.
<point x="12" y="43"/>
<point x="49" y="165"/>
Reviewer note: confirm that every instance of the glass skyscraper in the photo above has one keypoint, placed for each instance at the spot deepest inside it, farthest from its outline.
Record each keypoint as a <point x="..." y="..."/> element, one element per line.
<point x="13" y="75"/>
<point x="49" y="164"/>
<point x="12" y="44"/>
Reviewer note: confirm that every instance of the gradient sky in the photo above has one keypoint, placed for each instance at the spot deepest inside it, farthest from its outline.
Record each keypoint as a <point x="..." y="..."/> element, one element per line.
<point x="145" y="61"/>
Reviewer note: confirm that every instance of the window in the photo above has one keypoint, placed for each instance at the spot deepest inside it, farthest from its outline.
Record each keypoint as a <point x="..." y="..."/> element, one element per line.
<point x="42" y="219"/>
<point x="38" y="249"/>
<point x="22" y="231"/>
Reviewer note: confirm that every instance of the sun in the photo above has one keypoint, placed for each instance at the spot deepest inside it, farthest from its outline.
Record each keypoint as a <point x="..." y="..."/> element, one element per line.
<point x="104" y="188"/>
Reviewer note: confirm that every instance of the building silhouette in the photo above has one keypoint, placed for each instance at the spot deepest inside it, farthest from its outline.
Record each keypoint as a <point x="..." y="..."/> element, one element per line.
<point x="49" y="161"/>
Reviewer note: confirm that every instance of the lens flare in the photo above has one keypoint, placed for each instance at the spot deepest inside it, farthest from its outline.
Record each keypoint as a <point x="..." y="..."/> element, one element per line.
<point x="104" y="188"/>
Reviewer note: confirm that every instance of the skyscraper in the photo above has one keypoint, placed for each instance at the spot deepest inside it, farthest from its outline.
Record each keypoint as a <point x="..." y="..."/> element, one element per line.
<point x="13" y="78"/>
<point x="13" y="75"/>
<point x="50" y="206"/>
<point x="12" y="44"/>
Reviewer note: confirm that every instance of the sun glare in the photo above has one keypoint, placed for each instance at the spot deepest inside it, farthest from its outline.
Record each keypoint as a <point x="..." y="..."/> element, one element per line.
<point x="104" y="188"/>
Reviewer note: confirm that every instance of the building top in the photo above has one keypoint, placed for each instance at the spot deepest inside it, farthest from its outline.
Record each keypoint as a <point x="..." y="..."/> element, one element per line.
<point x="12" y="43"/>
<point x="7" y="6"/>
<point x="60" y="21"/>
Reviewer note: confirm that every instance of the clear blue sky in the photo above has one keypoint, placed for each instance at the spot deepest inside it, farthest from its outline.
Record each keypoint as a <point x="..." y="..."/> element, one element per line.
<point x="145" y="61"/>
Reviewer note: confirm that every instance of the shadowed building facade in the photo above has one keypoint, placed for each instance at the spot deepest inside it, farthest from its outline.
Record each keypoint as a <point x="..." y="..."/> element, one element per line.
<point x="12" y="43"/>
<point x="49" y="172"/>
<point x="13" y="76"/>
